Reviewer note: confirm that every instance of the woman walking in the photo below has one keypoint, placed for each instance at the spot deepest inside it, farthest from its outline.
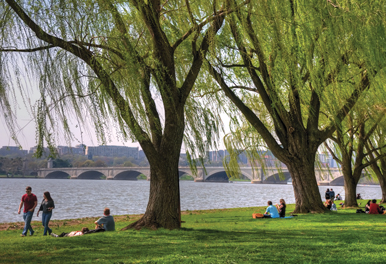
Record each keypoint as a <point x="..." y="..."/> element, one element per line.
<point x="46" y="206"/>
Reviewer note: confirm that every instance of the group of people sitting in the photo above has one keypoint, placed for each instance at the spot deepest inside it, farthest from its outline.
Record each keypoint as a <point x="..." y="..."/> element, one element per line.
<point x="373" y="208"/>
<point x="105" y="223"/>
<point x="275" y="211"/>
<point x="330" y="197"/>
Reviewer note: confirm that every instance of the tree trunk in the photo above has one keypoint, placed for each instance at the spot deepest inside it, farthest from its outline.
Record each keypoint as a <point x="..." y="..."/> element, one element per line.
<point x="382" y="181"/>
<point x="163" y="208"/>
<point x="350" y="188"/>
<point x="306" y="189"/>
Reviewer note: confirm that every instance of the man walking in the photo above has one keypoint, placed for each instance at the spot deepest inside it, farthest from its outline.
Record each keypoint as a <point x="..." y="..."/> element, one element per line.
<point x="29" y="201"/>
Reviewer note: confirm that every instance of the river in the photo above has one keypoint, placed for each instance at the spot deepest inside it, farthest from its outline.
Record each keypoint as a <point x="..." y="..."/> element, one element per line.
<point x="85" y="198"/>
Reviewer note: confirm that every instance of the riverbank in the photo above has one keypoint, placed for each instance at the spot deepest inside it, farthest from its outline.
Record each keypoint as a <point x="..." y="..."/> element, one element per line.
<point x="210" y="236"/>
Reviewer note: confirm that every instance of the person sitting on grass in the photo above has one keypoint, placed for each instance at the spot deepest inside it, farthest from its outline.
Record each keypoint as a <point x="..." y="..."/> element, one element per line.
<point x="333" y="206"/>
<point x="338" y="197"/>
<point x="359" y="197"/>
<point x="374" y="207"/>
<point x="281" y="208"/>
<point x="328" y="204"/>
<point x="271" y="211"/>
<point x="106" y="222"/>
<point x="367" y="207"/>
<point x="73" y="233"/>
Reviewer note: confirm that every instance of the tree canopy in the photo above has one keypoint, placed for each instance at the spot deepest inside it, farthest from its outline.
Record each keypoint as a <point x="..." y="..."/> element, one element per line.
<point x="295" y="69"/>
<point x="124" y="64"/>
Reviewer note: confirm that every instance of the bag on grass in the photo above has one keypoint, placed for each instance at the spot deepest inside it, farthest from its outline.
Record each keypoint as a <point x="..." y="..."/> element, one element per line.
<point x="360" y="211"/>
<point x="256" y="215"/>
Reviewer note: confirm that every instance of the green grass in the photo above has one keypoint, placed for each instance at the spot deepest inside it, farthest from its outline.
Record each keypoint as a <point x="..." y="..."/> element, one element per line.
<point x="215" y="236"/>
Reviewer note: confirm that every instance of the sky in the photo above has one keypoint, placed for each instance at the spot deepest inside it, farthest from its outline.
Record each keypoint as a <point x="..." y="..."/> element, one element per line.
<point x="27" y="135"/>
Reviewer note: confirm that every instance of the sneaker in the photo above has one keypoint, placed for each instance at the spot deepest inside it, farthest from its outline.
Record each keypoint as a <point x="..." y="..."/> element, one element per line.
<point x="32" y="233"/>
<point x="22" y="235"/>
<point x="49" y="232"/>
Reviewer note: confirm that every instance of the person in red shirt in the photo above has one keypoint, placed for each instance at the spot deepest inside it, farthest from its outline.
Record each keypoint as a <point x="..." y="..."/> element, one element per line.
<point x="374" y="207"/>
<point x="29" y="201"/>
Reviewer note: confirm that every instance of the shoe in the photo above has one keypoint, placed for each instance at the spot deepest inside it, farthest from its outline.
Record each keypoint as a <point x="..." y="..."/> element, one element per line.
<point x="54" y="235"/>
<point x="22" y="235"/>
<point x="32" y="233"/>
<point x="49" y="232"/>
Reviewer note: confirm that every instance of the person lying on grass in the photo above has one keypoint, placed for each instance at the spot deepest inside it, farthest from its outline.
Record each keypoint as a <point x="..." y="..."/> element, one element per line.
<point x="73" y="233"/>
<point x="271" y="211"/>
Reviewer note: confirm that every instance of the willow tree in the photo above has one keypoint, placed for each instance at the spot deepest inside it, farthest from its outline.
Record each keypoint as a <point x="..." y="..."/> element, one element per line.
<point x="285" y="64"/>
<point x="376" y="147"/>
<point x="356" y="152"/>
<point x="135" y="62"/>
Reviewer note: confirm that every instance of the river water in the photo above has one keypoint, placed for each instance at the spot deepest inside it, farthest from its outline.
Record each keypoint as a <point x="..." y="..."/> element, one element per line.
<point x="86" y="198"/>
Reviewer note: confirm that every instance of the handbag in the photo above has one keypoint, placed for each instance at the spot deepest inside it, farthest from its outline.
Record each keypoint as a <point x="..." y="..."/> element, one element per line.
<point x="257" y="215"/>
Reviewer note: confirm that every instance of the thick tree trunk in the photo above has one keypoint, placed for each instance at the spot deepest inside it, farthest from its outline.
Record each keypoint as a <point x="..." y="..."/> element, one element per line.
<point x="163" y="208"/>
<point x="350" y="188"/>
<point x="306" y="189"/>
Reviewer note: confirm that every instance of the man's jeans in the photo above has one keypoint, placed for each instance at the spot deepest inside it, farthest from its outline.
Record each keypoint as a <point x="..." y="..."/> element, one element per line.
<point x="45" y="220"/>
<point x="27" y="219"/>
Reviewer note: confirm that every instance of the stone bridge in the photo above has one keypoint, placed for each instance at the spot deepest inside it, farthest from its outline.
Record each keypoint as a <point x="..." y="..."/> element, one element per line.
<point x="270" y="175"/>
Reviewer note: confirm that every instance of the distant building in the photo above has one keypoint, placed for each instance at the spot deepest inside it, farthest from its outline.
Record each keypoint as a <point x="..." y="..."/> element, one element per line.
<point x="33" y="150"/>
<point x="65" y="150"/>
<point x="112" y="151"/>
<point x="9" y="150"/>
<point x="327" y="160"/>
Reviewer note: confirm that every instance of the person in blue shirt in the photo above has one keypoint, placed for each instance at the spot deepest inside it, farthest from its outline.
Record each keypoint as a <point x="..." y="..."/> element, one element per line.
<point x="106" y="222"/>
<point x="271" y="211"/>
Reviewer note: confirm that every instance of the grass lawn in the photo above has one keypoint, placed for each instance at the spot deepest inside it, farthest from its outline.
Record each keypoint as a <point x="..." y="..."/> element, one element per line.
<point x="214" y="236"/>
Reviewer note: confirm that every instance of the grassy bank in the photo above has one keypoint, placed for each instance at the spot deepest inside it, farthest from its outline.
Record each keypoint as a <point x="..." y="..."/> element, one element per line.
<point x="214" y="236"/>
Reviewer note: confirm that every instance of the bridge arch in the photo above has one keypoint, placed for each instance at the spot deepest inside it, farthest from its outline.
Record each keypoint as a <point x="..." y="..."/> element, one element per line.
<point x="188" y="175"/>
<point x="219" y="176"/>
<point x="338" y="181"/>
<point x="222" y="176"/>
<point x="281" y="177"/>
<point x="129" y="175"/>
<point x="91" y="174"/>
<point x="58" y="175"/>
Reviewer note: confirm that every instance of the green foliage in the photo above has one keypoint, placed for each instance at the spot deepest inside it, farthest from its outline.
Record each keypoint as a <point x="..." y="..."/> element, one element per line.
<point x="11" y="166"/>
<point x="295" y="67"/>
<point x="59" y="163"/>
<point x="186" y="178"/>
<point x="142" y="177"/>
<point x="215" y="236"/>
<point x="111" y="65"/>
